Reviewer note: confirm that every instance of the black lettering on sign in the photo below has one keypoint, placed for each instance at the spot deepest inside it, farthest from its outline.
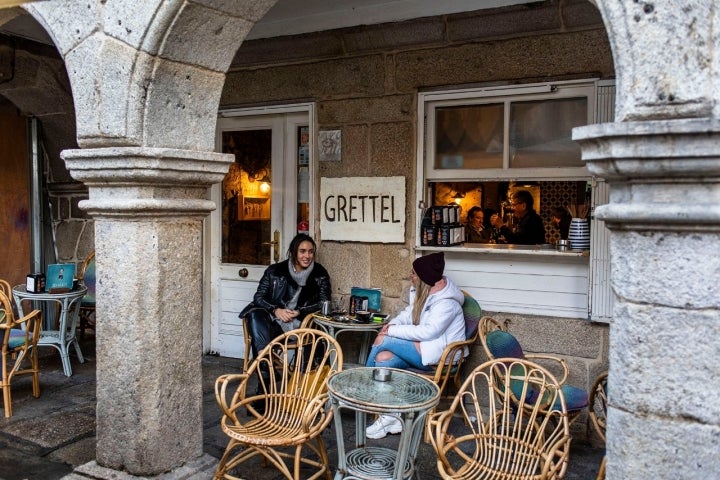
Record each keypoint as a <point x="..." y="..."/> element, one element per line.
<point x="361" y="208"/>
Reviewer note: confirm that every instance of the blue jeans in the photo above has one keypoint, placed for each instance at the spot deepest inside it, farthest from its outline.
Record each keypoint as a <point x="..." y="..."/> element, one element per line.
<point x="405" y="355"/>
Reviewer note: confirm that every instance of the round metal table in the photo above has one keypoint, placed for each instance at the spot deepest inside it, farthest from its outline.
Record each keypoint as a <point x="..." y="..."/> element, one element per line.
<point x="65" y="335"/>
<point x="406" y="395"/>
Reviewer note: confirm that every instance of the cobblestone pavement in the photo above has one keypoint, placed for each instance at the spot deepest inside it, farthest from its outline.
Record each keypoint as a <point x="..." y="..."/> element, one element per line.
<point x="48" y="436"/>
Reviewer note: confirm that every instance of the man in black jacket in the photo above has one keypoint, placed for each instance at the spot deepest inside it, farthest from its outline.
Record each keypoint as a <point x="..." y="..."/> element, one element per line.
<point x="287" y="292"/>
<point x="530" y="229"/>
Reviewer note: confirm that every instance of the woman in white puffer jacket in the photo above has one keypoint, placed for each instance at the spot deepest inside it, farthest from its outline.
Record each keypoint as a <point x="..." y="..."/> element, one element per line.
<point x="417" y="336"/>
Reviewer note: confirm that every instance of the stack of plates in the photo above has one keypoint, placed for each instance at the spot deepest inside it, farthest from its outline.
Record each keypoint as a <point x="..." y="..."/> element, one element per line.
<point x="579" y="234"/>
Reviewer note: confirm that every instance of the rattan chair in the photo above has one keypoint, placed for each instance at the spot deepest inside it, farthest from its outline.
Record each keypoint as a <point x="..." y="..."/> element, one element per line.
<point x="87" y="305"/>
<point x="19" y="336"/>
<point x="5" y="288"/>
<point x="498" y="342"/>
<point x="484" y="435"/>
<point x="598" y="413"/>
<point x="296" y="407"/>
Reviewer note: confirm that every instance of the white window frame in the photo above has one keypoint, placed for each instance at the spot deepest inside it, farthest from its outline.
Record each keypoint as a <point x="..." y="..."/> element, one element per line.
<point x="428" y="102"/>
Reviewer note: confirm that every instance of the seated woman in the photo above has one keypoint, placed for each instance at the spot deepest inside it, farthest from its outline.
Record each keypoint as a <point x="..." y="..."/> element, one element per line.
<point x="287" y="292"/>
<point x="417" y="336"/>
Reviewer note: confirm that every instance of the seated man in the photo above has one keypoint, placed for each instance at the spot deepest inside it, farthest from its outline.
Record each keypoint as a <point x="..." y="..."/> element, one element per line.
<point x="287" y="292"/>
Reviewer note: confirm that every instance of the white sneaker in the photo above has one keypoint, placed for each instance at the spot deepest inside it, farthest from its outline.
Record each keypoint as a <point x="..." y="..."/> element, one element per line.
<point x="383" y="425"/>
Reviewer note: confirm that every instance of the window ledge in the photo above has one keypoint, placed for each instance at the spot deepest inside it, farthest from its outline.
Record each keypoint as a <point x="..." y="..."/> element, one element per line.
<point x="507" y="249"/>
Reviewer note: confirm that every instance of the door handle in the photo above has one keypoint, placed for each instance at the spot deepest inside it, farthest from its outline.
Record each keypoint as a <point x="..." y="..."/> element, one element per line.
<point x="243" y="272"/>
<point x="276" y="245"/>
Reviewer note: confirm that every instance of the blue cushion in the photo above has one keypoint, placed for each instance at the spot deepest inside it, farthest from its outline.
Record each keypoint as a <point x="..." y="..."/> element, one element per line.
<point x="575" y="398"/>
<point x="89" y="281"/>
<point x="502" y="344"/>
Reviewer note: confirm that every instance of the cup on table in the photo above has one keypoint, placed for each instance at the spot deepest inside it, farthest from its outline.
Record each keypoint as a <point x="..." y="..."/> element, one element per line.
<point x="325" y="307"/>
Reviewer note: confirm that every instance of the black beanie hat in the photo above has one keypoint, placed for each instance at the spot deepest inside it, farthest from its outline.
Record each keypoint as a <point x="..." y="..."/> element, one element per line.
<point x="430" y="267"/>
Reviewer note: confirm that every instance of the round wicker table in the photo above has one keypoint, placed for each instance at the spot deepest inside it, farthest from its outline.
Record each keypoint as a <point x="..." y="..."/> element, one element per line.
<point x="406" y="395"/>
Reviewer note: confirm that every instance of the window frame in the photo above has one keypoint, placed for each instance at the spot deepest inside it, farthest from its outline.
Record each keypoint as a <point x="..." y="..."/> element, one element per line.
<point x="428" y="102"/>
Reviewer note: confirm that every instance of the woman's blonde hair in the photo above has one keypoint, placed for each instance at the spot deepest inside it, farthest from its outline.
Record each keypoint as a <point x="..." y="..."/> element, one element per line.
<point x="421" y="294"/>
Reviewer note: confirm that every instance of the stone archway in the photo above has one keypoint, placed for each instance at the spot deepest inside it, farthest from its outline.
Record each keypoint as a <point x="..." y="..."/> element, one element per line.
<point x="146" y="80"/>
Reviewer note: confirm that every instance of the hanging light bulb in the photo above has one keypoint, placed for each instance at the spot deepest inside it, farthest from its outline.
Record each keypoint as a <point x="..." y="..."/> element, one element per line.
<point x="458" y="197"/>
<point x="265" y="184"/>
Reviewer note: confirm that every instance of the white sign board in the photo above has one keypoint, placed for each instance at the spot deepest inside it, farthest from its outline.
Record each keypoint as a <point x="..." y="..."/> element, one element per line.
<point x="363" y="209"/>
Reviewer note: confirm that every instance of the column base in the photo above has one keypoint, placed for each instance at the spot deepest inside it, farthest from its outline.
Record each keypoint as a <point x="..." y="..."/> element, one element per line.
<point x="202" y="468"/>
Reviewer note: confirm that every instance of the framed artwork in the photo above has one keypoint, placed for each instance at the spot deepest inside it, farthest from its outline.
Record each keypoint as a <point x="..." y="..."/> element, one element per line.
<point x="59" y="277"/>
<point x="254" y="208"/>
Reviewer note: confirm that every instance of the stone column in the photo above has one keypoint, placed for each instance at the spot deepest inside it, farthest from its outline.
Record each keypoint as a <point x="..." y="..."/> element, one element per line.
<point x="662" y="163"/>
<point x="148" y="205"/>
<point x="664" y="217"/>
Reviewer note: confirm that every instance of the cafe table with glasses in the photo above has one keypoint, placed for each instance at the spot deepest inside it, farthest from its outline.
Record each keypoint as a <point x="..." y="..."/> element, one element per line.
<point x="65" y="335"/>
<point x="380" y="391"/>
<point x="335" y="324"/>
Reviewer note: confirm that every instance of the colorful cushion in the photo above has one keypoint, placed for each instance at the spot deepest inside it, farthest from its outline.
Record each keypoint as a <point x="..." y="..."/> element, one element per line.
<point x="472" y="313"/>
<point x="89" y="281"/>
<point x="17" y="338"/>
<point x="502" y="344"/>
<point x="575" y="398"/>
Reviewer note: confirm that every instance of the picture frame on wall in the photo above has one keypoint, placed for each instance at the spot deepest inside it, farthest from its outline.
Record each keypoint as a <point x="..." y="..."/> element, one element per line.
<point x="59" y="278"/>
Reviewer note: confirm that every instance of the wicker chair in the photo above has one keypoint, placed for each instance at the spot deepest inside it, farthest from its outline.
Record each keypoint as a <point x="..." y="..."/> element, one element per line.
<point x="499" y="440"/>
<point x="19" y="336"/>
<point x="5" y="288"/>
<point x="296" y="407"/>
<point x="87" y="305"/>
<point x="598" y="413"/>
<point x="498" y="342"/>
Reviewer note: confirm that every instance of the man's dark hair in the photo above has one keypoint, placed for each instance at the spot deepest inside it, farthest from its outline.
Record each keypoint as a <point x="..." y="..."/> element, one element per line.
<point x="295" y="245"/>
<point x="525" y="197"/>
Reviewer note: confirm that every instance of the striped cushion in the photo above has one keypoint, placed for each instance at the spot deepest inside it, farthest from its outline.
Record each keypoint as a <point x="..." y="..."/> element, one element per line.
<point x="472" y="313"/>
<point x="17" y="338"/>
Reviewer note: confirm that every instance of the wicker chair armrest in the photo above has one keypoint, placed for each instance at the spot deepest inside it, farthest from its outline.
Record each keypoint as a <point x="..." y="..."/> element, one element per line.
<point x="221" y="392"/>
<point x="436" y="425"/>
<point x="317" y="413"/>
<point x="451" y="351"/>
<point x="563" y="364"/>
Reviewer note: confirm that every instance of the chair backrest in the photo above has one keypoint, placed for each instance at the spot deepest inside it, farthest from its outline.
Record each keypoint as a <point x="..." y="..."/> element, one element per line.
<point x="498" y="439"/>
<point x="598" y="404"/>
<point x="301" y="361"/>
<point x="471" y="313"/>
<point x="88" y="278"/>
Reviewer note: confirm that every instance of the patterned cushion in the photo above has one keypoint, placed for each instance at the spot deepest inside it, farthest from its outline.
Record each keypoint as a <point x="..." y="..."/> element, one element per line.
<point x="575" y="398"/>
<point x="17" y="338"/>
<point x="472" y="313"/>
<point x="502" y="344"/>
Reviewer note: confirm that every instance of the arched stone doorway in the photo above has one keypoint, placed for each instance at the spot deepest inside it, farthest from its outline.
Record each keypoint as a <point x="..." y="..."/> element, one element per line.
<point x="146" y="82"/>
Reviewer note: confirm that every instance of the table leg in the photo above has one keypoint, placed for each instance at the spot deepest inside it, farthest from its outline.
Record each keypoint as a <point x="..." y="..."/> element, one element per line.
<point x="406" y="442"/>
<point x="342" y="466"/>
<point x="364" y="347"/>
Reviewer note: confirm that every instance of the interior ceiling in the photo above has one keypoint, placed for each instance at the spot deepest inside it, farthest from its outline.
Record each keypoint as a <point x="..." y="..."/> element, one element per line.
<point x="293" y="17"/>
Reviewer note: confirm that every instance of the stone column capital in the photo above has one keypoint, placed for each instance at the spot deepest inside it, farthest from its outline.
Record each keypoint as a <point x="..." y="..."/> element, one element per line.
<point x="143" y="181"/>
<point x="662" y="174"/>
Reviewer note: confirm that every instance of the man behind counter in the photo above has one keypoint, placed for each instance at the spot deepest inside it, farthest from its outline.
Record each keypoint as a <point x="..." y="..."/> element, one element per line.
<point x="530" y="229"/>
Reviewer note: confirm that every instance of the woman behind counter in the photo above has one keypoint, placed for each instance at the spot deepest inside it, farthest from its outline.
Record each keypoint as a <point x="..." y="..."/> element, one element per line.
<point x="417" y="336"/>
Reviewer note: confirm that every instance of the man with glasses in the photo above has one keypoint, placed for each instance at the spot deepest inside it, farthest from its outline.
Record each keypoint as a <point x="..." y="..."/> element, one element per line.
<point x="529" y="229"/>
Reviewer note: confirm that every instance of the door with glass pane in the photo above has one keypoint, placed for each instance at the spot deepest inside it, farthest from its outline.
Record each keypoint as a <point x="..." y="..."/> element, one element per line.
<point x="262" y="203"/>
